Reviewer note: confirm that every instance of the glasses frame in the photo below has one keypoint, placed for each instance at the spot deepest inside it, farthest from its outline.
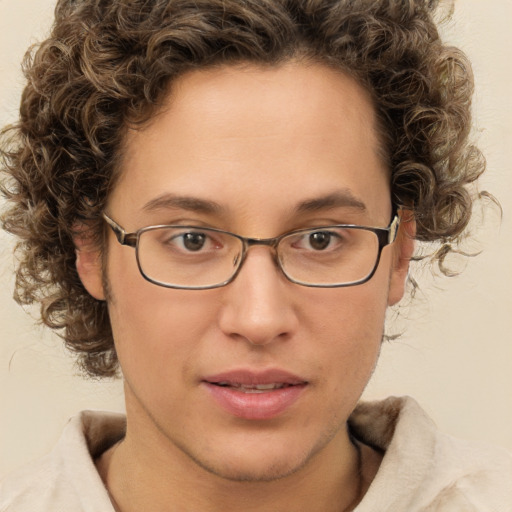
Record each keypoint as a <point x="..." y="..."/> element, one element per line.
<point x="385" y="236"/>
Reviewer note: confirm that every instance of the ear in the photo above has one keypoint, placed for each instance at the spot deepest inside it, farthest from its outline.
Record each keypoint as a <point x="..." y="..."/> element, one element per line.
<point x="88" y="261"/>
<point x="403" y="250"/>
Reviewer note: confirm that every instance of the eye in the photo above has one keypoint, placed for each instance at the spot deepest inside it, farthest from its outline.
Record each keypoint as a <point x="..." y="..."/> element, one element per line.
<point x="193" y="241"/>
<point x="319" y="241"/>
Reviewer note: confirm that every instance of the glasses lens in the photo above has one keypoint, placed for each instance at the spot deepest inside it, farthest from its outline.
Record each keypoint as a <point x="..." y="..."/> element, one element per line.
<point x="188" y="257"/>
<point x="329" y="256"/>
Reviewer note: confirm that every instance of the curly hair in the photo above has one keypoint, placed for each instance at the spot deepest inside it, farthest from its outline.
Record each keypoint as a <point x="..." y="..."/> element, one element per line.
<point x="108" y="64"/>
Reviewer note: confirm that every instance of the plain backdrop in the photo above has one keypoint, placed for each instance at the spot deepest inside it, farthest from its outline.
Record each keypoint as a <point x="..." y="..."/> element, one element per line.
<point x="455" y="353"/>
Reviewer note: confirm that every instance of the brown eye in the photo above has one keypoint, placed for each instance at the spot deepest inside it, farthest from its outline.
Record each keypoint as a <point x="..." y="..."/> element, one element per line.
<point x="194" y="241"/>
<point x="319" y="240"/>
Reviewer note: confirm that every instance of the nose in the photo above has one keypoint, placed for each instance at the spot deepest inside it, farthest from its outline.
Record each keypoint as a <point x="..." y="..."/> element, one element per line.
<point x="260" y="304"/>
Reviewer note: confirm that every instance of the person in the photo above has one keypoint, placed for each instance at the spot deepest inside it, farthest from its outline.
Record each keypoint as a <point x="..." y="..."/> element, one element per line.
<point x="219" y="200"/>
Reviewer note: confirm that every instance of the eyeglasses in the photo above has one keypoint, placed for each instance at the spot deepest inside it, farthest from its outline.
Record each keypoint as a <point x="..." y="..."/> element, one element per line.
<point x="198" y="258"/>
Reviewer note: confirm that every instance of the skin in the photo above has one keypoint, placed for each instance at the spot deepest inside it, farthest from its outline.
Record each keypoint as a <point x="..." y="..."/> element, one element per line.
<point x="306" y="132"/>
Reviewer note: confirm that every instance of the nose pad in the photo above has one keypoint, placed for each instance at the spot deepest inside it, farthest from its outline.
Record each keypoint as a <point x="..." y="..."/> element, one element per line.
<point x="259" y="303"/>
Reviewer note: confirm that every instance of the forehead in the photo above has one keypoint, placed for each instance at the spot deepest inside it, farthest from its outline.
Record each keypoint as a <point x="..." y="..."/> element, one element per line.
<point x="247" y="133"/>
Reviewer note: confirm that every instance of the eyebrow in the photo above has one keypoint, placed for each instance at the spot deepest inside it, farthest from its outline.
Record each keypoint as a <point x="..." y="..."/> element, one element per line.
<point x="194" y="204"/>
<point x="339" y="199"/>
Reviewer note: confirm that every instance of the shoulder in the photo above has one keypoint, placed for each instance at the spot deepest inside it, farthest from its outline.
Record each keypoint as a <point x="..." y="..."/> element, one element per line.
<point x="66" y="479"/>
<point x="472" y="476"/>
<point x="426" y="470"/>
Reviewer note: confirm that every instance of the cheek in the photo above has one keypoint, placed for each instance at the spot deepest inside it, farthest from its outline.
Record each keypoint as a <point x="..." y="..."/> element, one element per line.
<point x="354" y="315"/>
<point x="347" y="326"/>
<point x="157" y="331"/>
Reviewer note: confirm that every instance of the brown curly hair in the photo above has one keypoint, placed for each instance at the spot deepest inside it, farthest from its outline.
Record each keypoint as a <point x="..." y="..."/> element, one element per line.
<point x="108" y="64"/>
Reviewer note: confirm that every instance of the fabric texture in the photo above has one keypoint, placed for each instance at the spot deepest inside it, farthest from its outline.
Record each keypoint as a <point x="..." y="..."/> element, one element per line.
<point x="422" y="470"/>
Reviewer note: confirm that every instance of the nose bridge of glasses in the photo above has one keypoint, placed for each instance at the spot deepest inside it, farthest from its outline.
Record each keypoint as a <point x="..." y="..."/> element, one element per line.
<point x="255" y="242"/>
<point x="270" y="242"/>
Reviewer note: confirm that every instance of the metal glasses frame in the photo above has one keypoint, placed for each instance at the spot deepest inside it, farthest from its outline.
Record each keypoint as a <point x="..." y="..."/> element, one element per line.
<point x="385" y="236"/>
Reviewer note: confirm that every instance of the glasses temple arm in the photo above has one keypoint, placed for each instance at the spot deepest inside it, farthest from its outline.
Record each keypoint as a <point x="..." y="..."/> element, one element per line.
<point x="120" y="233"/>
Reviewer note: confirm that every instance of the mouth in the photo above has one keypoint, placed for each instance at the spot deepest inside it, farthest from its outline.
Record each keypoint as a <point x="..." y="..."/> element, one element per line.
<point x="253" y="388"/>
<point x="255" y="395"/>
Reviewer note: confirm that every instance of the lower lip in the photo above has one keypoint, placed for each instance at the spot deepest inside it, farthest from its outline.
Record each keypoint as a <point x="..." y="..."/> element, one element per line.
<point x="255" y="406"/>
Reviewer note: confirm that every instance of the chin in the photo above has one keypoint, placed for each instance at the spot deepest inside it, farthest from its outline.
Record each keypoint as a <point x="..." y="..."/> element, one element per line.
<point x="262" y="461"/>
<point x="252" y="473"/>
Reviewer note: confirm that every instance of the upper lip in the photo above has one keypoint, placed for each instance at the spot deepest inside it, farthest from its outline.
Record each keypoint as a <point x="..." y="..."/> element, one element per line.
<point x="248" y="377"/>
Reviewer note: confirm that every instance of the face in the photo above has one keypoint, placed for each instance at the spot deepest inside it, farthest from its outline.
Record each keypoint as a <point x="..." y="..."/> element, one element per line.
<point x="246" y="147"/>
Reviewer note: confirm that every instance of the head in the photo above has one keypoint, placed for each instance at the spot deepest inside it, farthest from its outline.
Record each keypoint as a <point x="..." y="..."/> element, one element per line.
<point x="111" y="73"/>
<point x="258" y="118"/>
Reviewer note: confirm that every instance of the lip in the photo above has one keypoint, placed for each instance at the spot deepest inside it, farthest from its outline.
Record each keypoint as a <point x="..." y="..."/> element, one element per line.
<point x="263" y="404"/>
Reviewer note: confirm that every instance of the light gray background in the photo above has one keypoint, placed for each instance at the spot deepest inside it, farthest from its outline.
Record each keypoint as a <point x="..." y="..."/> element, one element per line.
<point x="455" y="356"/>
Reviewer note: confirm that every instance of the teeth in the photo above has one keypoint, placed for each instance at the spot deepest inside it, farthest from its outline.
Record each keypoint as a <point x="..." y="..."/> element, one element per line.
<point x="267" y="386"/>
<point x="260" y="388"/>
<point x="252" y="388"/>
